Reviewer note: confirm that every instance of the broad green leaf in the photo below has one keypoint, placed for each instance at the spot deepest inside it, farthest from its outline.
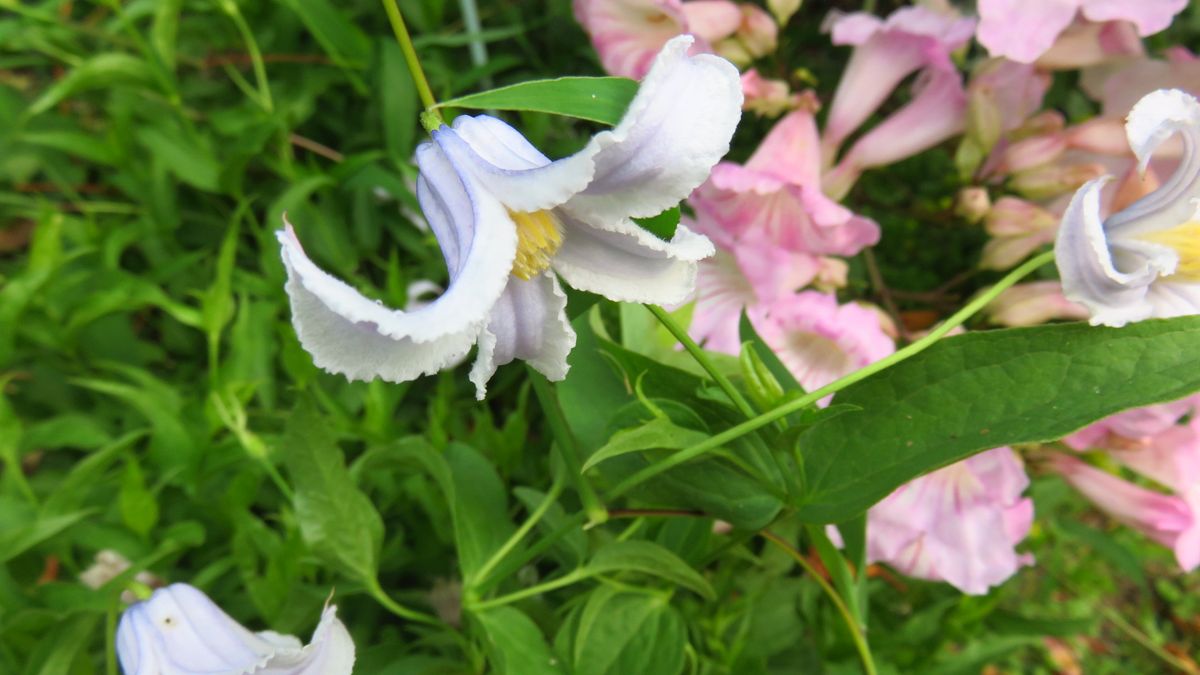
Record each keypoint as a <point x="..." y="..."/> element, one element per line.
<point x="645" y="557"/>
<point x="982" y="390"/>
<point x="102" y="71"/>
<point x="336" y="520"/>
<point x="599" y="99"/>
<point x="658" y="433"/>
<point x="621" y="633"/>
<point x="516" y="644"/>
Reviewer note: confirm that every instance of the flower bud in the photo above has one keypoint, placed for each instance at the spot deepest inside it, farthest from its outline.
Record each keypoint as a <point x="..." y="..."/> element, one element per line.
<point x="1032" y="152"/>
<point x="972" y="204"/>
<point x="1052" y="180"/>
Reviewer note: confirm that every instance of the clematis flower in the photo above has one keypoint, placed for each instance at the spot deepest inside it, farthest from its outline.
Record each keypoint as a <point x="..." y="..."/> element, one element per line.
<point x="778" y="194"/>
<point x="1022" y="30"/>
<point x="628" y="34"/>
<point x="1143" y="261"/>
<point x="959" y="524"/>
<point x="1170" y="520"/>
<point x="180" y="631"/>
<point x="507" y="219"/>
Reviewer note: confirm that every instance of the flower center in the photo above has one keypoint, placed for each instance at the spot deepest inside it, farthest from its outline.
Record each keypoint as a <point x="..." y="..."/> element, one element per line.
<point x="1185" y="239"/>
<point x="539" y="234"/>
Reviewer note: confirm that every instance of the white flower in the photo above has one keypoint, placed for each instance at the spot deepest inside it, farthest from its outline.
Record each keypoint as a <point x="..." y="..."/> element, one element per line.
<point x="507" y="219"/>
<point x="1144" y="261"/>
<point x="179" y="631"/>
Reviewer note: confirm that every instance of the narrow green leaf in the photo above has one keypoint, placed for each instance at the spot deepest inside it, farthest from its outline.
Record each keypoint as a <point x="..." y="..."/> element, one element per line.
<point x="337" y="520"/>
<point x="165" y="29"/>
<point x="344" y="42"/>
<point x="658" y="433"/>
<point x="139" y="508"/>
<point x="397" y="103"/>
<point x="481" y="524"/>
<point x="599" y="99"/>
<point x="982" y="390"/>
<point x="102" y="71"/>
<point x="646" y="557"/>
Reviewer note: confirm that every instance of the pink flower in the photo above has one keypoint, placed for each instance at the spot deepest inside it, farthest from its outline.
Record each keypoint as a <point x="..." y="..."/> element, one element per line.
<point x="1084" y="44"/>
<point x="770" y="98"/>
<point x="819" y="340"/>
<point x="1169" y="520"/>
<point x="755" y="37"/>
<point x="628" y="34"/>
<point x="1017" y="228"/>
<point x="1132" y="428"/>
<point x="885" y="53"/>
<point x="1125" y="87"/>
<point x="747" y="276"/>
<point x="777" y="197"/>
<point x="1032" y="304"/>
<point x="959" y="524"/>
<point x="1024" y="29"/>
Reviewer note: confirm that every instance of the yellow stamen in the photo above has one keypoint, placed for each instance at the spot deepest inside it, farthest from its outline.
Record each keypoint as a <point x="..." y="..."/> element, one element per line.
<point x="1185" y="239"/>
<point x="539" y="234"/>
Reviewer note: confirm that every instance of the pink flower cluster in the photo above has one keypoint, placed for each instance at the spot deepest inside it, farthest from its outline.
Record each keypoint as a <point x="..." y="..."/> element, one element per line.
<point x="1158" y="445"/>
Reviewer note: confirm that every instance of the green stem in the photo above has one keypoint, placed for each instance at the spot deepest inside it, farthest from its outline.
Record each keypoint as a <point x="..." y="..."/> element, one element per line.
<point x="957" y="319"/>
<point x="376" y="591"/>
<point x="568" y="448"/>
<point x="1144" y="640"/>
<point x="256" y="59"/>
<point x="530" y="522"/>
<point x="856" y="634"/>
<point x="414" y="64"/>
<point x="565" y="580"/>
<point x="702" y="358"/>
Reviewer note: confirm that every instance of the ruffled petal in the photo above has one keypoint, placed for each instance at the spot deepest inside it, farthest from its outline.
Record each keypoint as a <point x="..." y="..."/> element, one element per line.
<point x="509" y="167"/>
<point x="676" y="128"/>
<point x="1156" y="118"/>
<point x="350" y="343"/>
<point x="1091" y="277"/>
<point x="478" y="240"/>
<point x="528" y="323"/>
<point x="624" y="262"/>
<point x="181" y="631"/>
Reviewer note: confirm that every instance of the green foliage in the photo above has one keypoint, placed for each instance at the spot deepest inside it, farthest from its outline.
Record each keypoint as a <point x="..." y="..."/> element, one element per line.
<point x="155" y="402"/>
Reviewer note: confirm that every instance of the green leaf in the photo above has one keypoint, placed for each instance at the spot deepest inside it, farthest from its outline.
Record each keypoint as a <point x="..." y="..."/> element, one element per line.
<point x="189" y="159"/>
<point x="599" y="99"/>
<point x="398" y="103"/>
<point x="337" y="520"/>
<point x="102" y="71"/>
<point x="646" y="557"/>
<point x="620" y="633"/>
<point x="19" y="534"/>
<point x="982" y="390"/>
<point x="658" y="433"/>
<point x="345" y="43"/>
<point x="139" y="508"/>
<point x="663" y="225"/>
<point x="481" y="523"/>
<point x="517" y="646"/>
<point x="164" y="30"/>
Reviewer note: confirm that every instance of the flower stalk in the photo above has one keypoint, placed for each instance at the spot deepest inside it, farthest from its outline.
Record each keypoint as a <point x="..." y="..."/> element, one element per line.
<point x="431" y="118"/>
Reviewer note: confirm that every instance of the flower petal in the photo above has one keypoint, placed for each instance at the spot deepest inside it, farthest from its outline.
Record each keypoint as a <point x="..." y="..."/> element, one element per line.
<point x="676" y="128"/>
<point x="1022" y="30"/>
<point x="509" y="167"/>
<point x="529" y="322"/>
<point x="1150" y="16"/>
<point x="629" y="33"/>
<point x="1156" y="118"/>
<point x="711" y="20"/>
<point x="624" y="262"/>
<point x="1089" y="273"/>
<point x="331" y="652"/>
<point x="349" y="341"/>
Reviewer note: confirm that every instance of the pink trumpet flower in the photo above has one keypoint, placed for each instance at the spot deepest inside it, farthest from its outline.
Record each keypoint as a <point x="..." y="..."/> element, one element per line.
<point x="1022" y="30"/>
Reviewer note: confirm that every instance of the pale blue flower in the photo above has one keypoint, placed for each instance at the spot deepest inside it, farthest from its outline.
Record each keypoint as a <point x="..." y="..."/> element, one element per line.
<point x="180" y="631"/>
<point x="1142" y="262"/>
<point x="510" y="222"/>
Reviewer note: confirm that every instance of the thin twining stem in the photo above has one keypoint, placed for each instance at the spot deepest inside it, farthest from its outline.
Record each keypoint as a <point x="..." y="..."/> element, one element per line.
<point x="956" y="320"/>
